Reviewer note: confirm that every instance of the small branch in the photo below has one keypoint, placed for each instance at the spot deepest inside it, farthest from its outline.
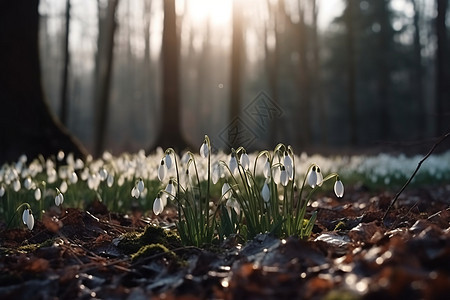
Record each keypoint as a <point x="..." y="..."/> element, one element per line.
<point x="415" y="172"/>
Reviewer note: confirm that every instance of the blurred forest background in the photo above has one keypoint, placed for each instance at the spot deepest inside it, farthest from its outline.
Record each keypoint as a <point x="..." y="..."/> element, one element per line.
<point x="124" y="75"/>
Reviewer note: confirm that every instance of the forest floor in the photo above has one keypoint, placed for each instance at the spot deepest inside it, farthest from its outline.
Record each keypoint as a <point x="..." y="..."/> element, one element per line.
<point x="351" y="254"/>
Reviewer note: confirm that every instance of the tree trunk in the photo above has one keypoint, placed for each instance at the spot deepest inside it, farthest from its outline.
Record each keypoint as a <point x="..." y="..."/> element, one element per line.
<point x="170" y="131"/>
<point x="236" y="72"/>
<point x="351" y="73"/>
<point x="442" y="89"/>
<point x="64" y="110"/>
<point x="26" y="123"/>
<point x="107" y="28"/>
<point x="417" y="77"/>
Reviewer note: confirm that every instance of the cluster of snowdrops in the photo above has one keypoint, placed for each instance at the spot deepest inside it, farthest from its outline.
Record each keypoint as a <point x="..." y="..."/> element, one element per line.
<point x="259" y="192"/>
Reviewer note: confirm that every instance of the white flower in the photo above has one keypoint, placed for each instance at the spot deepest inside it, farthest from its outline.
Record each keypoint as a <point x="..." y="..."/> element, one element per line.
<point x="266" y="169"/>
<point x="2" y="191"/>
<point x="158" y="206"/>
<point x="276" y="175"/>
<point x="168" y="160"/>
<point x="59" y="199"/>
<point x="37" y="194"/>
<point x="170" y="189"/>
<point x="28" y="219"/>
<point x="63" y="187"/>
<point x="312" y="177"/>
<point x="16" y="185"/>
<point x="245" y="161"/>
<point x="135" y="192"/>
<point x="110" y="180"/>
<point x="103" y="174"/>
<point x="284" y="177"/>
<point x="161" y="170"/>
<point x="27" y="183"/>
<point x="288" y="164"/>
<point x="226" y="191"/>
<point x="233" y="204"/>
<point x="60" y="155"/>
<point x="339" y="188"/>
<point x="319" y="177"/>
<point x="73" y="178"/>
<point x="140" y="185"/>
<point x="215" y="175"/>
<point x="204" y="151"/>
<point x="233" y="164"/>
<point x="265" y="192"/>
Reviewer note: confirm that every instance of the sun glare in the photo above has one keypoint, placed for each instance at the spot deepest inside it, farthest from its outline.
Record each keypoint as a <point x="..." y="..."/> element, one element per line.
<point x="218" y="11"/>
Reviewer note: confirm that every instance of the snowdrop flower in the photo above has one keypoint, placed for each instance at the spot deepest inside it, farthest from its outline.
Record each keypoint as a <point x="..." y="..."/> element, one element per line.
<point x="170" y="189"/>
<point x="233" y="204"/>
<point x="135" y="192"/>
<point x="16" y="185"/>
<point x="158" y="206"/>
<point x="226" y="191"/>
<point x="233" y="164"/>
<point x="110" y="180"/>
<point x="204" y="151"/>
<point x="168" y="160"/>
<point x="27" y="183"/>
<point x="265" y="192"/>
<point x="312" y="177"/>
<point x="2" y="191"/>
<point x="103" y="174"/>
<point x="339" y="188"/>
<point x="59" y="199"/>
<point x="37" y="194"/>
<point x="73" y="178"/>
<point x="276" y="175"/>
<point x="319" y="177"/>
<point x="245" y="161"/>
<point x="284" y="177"/>
<point x="288" y="164"/>
<point x="60" y="155"/>
<point x="161" y="170"/>
<point x="63" y="187"/>
<point x="140" y="185"/>
<point x="266" y="169"/>
<point x="215" y="174"/>
<point x="28" y="219"/>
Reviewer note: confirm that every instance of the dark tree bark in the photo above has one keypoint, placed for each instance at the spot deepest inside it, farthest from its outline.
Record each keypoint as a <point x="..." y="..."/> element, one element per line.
<point x="26" y="123"/>
<point x="105" y="51"/>
<point x="351" y="71"/>
<point x="237" y="45"/>
<point x="64" y="110"/>
<point x="442" y="80"/>
<point x="170" y="131"/>
<point x="417" y="77"/>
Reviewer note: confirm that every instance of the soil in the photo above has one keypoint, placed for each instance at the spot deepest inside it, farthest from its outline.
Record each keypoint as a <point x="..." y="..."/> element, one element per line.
<point x="352" y="254"/>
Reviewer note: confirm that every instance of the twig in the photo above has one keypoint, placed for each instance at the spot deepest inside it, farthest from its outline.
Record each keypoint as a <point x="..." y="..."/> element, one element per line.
<point x="414" y="173"/>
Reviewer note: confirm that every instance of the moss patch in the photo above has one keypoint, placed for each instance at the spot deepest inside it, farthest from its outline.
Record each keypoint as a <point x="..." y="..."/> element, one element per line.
<point x="156" y="250"/>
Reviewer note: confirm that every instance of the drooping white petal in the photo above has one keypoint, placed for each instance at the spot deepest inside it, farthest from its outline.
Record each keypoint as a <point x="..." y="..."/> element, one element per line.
<point x="319" y="177"/>
<point x="204" y="151"/>
<point x="16" y="185"/>
<point x="170" y="189"/>
<point x="63" y="187"/>
<point x="30" y="220"/>
<point x="27" y="183"/>
<point x="103" y="174"/>
<point x="37" y="194"/>
<point x="110" y="180"/>
<point x="339" y="188"/>
<point x="168" y="160"/>
<point x="135" y="192"/>
<point x="266" y="169"/>
<point x="226" y="190"/>
<point x="215" y="175"/>
<point x="245" y="161"/>
<point x="25" y="216"/>
<point x="276" y="175"/>
<point x="140" y="185"/>
<point x="233" y="164"/>
<point x="312" y="177"/>
<point x="158" y="206"/>
<point x="2" y="191"/>
<point x="232" y="203"/>
<point x="288" y="164"/>
<point x="59" y="199"/>
<point x="161" y="170"/>
<point x="284" y="177"/>
<point x="73" y="178"/>
<point x="265" y="192"/>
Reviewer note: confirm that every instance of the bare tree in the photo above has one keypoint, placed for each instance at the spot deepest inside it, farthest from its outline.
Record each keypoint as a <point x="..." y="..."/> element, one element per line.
<point x="442" y="89"/>
<point x="26" y="123"/>
<point x="64" y="110"/>
<point x="105" y="50"/>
